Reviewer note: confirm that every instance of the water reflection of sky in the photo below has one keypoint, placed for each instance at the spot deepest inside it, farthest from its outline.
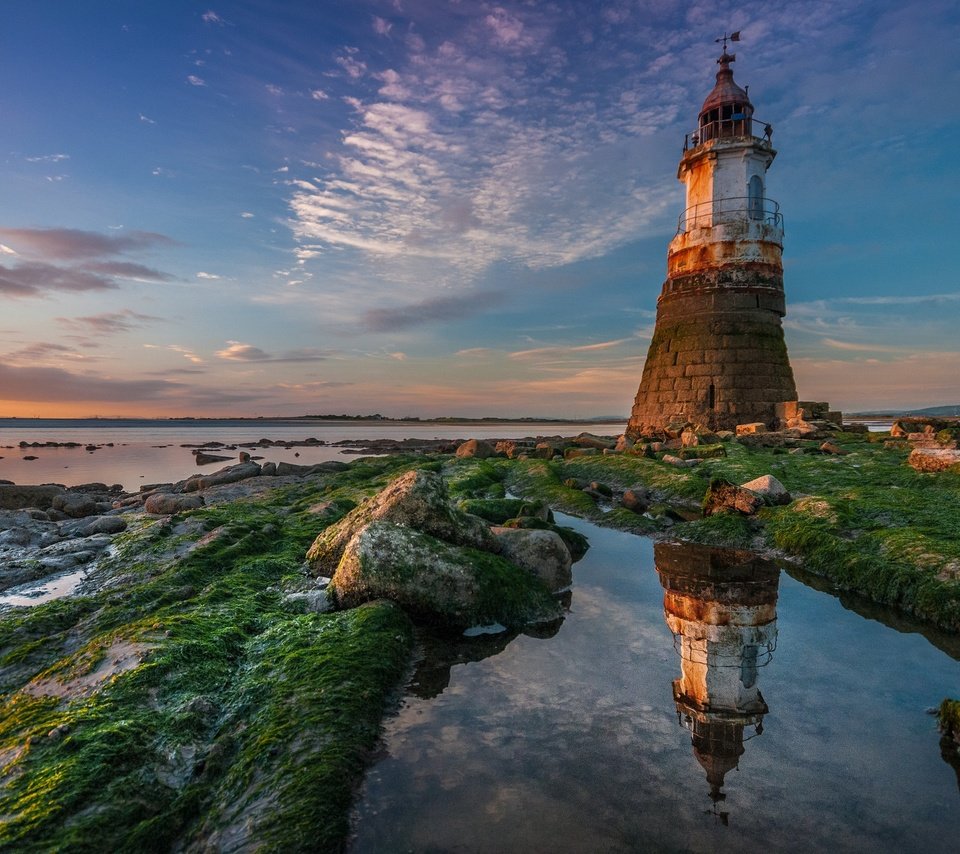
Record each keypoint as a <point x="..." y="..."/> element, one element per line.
<point x="573" y="743"/>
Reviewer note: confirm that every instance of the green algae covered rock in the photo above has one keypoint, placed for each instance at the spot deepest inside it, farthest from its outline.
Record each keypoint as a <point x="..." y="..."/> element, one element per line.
<point x="436" y="581"/>
<point x="418" y="500"/>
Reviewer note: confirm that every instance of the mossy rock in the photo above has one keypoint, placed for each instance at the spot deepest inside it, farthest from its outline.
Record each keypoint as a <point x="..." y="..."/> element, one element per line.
<point x="417" y="499"/>
<point x="702" y="452"/>
<point x="437" y="582"/>
<point x="495" y="510"/>
<point x="948" y="717"/>
<point x="498" y="511"/>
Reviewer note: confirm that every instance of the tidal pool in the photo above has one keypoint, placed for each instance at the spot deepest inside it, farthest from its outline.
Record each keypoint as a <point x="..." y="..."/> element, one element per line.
<point x="689" y="702"/>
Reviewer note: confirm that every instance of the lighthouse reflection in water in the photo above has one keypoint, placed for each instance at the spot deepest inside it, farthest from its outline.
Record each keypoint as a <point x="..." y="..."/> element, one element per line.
<point x="721" y="606"/>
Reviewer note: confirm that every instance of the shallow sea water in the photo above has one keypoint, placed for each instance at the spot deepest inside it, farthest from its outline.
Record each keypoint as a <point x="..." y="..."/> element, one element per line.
<point x="578" y="742"/>
<point x="148" y="451"/>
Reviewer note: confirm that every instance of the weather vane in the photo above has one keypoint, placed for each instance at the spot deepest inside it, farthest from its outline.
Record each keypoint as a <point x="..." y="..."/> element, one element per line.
<point x="733" y="37"/>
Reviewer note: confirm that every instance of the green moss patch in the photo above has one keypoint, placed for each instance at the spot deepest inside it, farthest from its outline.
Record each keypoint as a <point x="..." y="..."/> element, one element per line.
<point x="184" y="703"/>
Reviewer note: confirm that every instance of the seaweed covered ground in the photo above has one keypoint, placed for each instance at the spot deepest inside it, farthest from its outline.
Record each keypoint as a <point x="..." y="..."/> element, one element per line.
<point x="191" y="698"/>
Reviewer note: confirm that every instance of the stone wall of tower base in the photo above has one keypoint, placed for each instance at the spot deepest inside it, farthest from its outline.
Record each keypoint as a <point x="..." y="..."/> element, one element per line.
<point x="719" y="362"/>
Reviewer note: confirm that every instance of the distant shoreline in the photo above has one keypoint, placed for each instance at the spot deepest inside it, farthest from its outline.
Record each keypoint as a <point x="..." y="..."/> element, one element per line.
<point x="313" y="419"/>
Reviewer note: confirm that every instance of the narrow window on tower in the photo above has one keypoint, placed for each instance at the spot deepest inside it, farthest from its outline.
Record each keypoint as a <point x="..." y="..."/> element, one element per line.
<point x="712" y="397"/>
<point x="755" y="197"/>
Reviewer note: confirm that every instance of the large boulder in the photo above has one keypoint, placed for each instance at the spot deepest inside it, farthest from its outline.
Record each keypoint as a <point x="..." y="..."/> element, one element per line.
<point x="417" y="499"/>
<point x="636" y="500"/>
<point x="542" y="553"/>
<point x="284" y="469"/>
<point x="164" y="503"/>
<point x="589" y="440"/>
<point x="725" y="496"/>
<point x="102" y="525"/>
<point x="230" y="474"/>
<point x="436" y="581"/>
<point x="769" y="489"/>
<point x="74" y="504"/>
<point x="13" y="497"/>
<point x="934" y="459"/>
<point x="475" y="448"/>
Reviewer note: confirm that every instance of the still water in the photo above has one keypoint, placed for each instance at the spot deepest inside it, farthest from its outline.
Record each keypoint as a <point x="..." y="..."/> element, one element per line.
<point x="690" y="701"/>
<point x="151" y="451"/>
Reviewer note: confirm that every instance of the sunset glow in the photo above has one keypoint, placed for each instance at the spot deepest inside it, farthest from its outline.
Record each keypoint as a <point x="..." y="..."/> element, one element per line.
<point x="416" y="207"/>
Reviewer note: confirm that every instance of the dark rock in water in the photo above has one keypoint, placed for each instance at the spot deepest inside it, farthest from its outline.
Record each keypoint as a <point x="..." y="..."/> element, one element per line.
<point x="151" y="487"/>
<point x="31" y="457"/>
<point x="208" y="459"/>
<point x="542" y="553"/>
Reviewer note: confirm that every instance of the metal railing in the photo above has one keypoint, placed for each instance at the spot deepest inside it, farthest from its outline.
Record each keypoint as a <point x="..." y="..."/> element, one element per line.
<point x="735" y="127"/>
<point x="731" y="209"/>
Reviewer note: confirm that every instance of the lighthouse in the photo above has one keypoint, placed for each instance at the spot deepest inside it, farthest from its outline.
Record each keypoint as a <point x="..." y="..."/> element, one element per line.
<point x="718" y="356"/>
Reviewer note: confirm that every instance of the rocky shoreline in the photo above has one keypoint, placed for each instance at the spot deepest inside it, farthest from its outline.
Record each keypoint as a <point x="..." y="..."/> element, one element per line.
<point x="218" y="678"/>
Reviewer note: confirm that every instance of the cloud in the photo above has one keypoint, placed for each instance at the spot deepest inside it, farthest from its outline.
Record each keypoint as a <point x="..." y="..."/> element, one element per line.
<point x="273" y="89"/>
<point x="146" y="119"/>
<point x="468" y="157"/>
<point x="560" y="350"/>
<point x="57" y="385"/>
<point x="108" y="323"/>
<point x="430" y="310"/>
<point x="187" y="354"/>
<point x="42" y="351"/>
<point x="476" y="351"/>
<point x="35" y="279"/>
<point x="246" y="215"/>
<point x="49" y="158"/>
<point x="508" y="30"/>
<point x="853" y="346"/>
<point x="319" y="95"/>
<point x="347" y="61"/>
<point x="211" y="17"/>
<point x="71" y="243"/>
<point x="237" y="351"/>
<point x="381" y="26"/>
<point x="127" y="270"/>
<point x="202" y="275"/>
<point x="193" y="80"/>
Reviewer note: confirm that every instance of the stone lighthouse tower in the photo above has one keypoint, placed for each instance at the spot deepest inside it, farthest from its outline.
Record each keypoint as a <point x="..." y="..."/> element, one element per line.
<point x="718" y="356"/>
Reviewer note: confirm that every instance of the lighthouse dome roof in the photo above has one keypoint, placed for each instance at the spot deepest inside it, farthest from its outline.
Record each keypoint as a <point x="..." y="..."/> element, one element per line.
<point x="726" y="92"/>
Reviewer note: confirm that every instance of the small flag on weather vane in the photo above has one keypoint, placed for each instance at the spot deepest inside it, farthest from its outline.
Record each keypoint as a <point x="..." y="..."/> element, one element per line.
<point x="733" y="37"/>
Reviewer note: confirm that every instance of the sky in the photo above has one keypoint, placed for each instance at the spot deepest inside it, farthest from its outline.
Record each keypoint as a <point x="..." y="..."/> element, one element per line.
<point x="432" y="207"/>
